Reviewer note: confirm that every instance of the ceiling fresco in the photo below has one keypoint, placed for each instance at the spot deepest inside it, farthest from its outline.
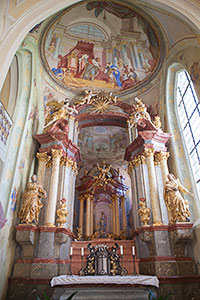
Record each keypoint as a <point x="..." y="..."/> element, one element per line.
<point x="110" y="47"/>
<point x="102" y="142"/>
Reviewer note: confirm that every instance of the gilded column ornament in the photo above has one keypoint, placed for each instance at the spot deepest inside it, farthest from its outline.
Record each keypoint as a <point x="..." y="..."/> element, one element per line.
<point x="69" y="163"/>
<point x="31" y="205"/>
<point x="43" y="159"/>
<point x="149" y="154"/>
<point x="62" y="213"/>
<point x="176" y="204"/>
<point x="136" y="162"/>
<point x="144" y="212"/>
<point x="51" y="204"/>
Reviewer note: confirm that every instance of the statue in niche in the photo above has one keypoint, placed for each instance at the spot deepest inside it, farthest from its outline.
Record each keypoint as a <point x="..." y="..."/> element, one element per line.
<point x="176" y="204"/>
<point x="31" y="205"/>
<point x="62" y="213"/>
<point x="102" y="225"/>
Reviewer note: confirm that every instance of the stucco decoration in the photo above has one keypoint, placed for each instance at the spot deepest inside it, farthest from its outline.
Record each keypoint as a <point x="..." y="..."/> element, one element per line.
<point x="101" y="45"/>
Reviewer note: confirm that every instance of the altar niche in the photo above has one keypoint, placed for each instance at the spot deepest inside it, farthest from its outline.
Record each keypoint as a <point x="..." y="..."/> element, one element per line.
<point x="102" y="204"/>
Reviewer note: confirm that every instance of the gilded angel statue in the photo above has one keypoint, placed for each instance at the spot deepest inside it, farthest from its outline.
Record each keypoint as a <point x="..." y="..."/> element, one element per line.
<point x="59" y="110"/>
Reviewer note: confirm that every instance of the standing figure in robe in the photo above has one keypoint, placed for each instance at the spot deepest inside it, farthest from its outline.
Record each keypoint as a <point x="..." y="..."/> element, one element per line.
<point x="31" y="205"/>
<point x="176" y="204"/>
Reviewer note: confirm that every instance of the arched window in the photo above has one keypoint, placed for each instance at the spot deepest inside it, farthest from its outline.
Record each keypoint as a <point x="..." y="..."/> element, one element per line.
<point x="87" y="30"/>
<point x="188" y="110"/>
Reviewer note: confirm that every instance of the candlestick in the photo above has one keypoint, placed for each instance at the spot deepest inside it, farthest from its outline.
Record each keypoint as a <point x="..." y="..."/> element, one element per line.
<point x="134" y="268"/>
<point x="121" y="250"/>
<point x="71" y="251"/>
<point x="82" y="251"/>
<point x="70" y="265"/>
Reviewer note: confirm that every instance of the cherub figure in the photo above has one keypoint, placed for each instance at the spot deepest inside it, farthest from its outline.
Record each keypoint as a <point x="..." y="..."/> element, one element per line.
<point x="62" y="213"/>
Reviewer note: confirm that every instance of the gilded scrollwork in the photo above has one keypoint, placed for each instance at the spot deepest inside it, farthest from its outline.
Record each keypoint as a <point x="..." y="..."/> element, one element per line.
<point x="56" y="154"/>
<point x="69" y="163"/>
<point x="136" y="162"/>
<point x="148" y="152"/>
<point x="43" y="156"/>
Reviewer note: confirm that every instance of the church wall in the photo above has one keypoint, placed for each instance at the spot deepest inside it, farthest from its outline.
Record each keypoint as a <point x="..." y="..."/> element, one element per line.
<point x="19" y="163"/>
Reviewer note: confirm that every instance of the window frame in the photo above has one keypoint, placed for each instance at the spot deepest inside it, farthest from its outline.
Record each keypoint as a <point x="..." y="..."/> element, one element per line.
<point x="181" y="129"/>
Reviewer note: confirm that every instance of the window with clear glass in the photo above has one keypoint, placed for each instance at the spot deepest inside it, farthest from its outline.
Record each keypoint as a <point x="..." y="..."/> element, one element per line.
<point x="189" y="116"/>
<point x="87" y="30"/>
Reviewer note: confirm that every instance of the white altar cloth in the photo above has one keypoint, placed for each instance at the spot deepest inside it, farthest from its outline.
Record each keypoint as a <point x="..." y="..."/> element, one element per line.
<point x="75" y="279"/>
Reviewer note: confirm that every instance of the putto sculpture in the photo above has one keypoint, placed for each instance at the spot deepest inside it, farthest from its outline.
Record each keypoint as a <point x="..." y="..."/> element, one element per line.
<point x="144" y="212"/>
<point x="31" y="205"/>
<point x="62" y="213"/>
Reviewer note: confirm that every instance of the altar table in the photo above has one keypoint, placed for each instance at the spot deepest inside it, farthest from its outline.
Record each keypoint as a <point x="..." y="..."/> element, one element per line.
<point x="103" y="287"/>
<point x="75" y="279"/>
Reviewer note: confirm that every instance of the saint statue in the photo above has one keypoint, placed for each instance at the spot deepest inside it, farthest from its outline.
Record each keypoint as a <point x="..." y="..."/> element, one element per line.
<point x="31" y="205"/>
<point x="176" y="204"/>
<point x="102" y="226"/>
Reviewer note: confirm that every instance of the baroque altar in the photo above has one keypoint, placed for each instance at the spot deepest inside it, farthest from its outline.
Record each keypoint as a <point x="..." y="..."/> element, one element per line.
<point x="60" y="214"/>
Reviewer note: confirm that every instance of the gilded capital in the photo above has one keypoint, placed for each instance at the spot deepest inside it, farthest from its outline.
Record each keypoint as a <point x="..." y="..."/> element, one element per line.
<point x="137" y="161"/>
<point x="42" y="156"/>
<point x="69" y="163"/>
<point x="148" y="152"/>
<point x="162" y="156"/>
<point x="122" y="198"/>
<point x="56" y="153"/>
<point x="114" y="197"/>
<point x="81" y="198"/>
